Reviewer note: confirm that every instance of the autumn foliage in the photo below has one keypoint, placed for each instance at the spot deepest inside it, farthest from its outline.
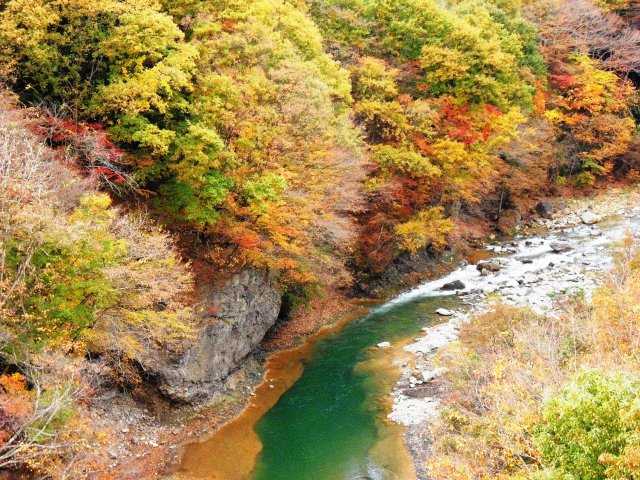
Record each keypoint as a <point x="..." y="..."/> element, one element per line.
<point x="322" y="140"/>
<point x="231" y="115"/>
<point x="78" y="277"/>
<point x="440" y="92"/>
<point x="226" y="131"/>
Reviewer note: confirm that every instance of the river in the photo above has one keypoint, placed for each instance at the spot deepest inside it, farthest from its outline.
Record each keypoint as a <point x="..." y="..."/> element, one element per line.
<point x="330" y="424"/>
<point x="321" y="413"/>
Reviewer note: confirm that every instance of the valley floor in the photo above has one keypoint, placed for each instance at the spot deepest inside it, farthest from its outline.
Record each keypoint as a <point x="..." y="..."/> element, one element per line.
<point x="553" y="259"/>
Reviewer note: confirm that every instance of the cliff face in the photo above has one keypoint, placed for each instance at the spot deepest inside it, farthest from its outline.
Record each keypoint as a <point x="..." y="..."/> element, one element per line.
<point x="239" y="315"/>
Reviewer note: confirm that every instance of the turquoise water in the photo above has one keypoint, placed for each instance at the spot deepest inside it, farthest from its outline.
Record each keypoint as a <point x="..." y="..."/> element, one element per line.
<point x="324" y="427"/>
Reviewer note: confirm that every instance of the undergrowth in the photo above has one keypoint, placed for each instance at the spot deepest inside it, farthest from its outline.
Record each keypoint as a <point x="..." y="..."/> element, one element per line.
<point x="546" y="396"/>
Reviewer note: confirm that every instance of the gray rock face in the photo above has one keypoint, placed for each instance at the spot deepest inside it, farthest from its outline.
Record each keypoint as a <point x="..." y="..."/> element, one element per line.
<point x="244" y="309"/>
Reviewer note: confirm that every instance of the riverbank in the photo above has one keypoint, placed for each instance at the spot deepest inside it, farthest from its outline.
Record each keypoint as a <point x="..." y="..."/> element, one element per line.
<point x="326" y="425"/>
<point x="534" y="271"/>
<point x="413" y="398"/>
<point x="228" y="449"/>
<point x="240" y="400"/>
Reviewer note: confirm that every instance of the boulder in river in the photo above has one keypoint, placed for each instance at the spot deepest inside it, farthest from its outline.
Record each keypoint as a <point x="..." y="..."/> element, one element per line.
<point x="560" y="247"/>
<point x="589" y="218"/>
<point x="455" y="285"/>
<point x="384" y="345"/>
<point x="489" y="266"/>
<point x="545" y="209"/>
<point x="445" y="312"/>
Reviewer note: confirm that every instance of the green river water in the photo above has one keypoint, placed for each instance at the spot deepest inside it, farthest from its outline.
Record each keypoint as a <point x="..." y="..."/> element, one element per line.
<point x="325" y="426"/>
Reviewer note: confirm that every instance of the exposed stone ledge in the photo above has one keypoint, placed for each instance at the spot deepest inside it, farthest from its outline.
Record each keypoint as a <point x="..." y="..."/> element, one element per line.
<point x="244" y="309"/>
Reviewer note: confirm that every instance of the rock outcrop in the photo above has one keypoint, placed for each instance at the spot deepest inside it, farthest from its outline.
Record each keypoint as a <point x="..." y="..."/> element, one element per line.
<point x="236" y="319"/>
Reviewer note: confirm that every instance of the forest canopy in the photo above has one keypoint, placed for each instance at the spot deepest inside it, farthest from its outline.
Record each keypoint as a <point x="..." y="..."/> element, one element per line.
<point x="155" y="151"/>
<point x="235" y="116"/>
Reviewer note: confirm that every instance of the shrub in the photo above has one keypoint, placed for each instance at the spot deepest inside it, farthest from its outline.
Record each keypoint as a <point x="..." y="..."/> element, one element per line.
<point x="593" y="106"/>
<point x="495" y="421"/>
<point x="65" y="285"/>
<point x="615" y="5"/>
<point x="427" y="228"/>
<point x="373" y="79"/>
<point x="591" y="429"/>
<point x="72" y="265"/>
<point x="32" y="422"/>
<point x="405" y="161"/>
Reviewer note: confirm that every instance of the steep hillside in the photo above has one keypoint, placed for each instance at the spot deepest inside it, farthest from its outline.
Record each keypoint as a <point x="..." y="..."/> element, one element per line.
<point x="86" y="293"/>
<point x="96" y="301"/>
<point x="239" y="118"/>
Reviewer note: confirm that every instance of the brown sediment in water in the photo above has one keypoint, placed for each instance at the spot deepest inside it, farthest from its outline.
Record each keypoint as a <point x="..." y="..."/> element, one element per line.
<point x="390" y="451"/>
<point x="231" y="452"/>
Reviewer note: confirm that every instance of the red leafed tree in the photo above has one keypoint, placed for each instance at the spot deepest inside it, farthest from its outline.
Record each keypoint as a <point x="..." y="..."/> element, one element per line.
<point x="88" y="146"/>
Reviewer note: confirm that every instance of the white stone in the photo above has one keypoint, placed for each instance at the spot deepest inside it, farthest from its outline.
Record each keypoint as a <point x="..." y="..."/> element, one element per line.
<point x="384" y="345"/>
<point x="589" y="218"/>
<point x="539" y="284"/>
<point x="429" y="374"/>
<point x="413" y="411"/>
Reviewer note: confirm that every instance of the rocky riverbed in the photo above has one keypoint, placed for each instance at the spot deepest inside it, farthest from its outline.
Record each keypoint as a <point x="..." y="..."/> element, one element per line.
<point x="532" y="270"/>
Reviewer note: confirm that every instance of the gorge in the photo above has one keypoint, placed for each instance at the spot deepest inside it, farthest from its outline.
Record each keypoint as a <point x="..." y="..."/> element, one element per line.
<point x="319" y="239"/>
